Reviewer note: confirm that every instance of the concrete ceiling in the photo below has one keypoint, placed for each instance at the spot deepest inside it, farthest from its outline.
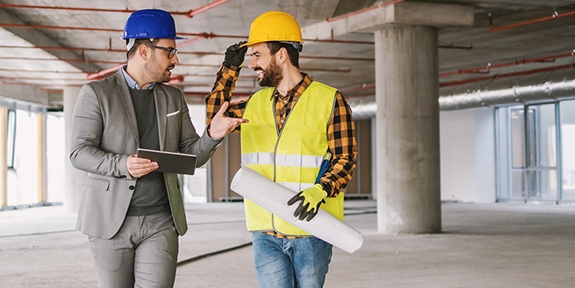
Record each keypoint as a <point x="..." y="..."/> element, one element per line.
<point x="50" y="49"/>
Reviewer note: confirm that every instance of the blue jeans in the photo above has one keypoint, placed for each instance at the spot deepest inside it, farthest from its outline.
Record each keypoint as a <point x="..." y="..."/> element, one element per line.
<point x="290" y="263"/>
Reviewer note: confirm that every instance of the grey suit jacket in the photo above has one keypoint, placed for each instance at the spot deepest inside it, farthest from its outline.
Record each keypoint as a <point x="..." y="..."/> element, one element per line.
<point x="105" y="133"/>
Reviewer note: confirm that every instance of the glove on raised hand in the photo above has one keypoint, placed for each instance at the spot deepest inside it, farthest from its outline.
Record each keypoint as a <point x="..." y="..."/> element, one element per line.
<point x="311" y="198"/>
<point x="235" y="55"/>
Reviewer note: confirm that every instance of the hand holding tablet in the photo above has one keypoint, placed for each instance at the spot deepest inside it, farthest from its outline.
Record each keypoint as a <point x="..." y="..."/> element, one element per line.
<point x="170" y="162"/>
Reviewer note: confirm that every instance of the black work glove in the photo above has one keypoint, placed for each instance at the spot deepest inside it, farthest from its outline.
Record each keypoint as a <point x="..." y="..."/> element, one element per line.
<point x="311" y="198"/>
<point x="235" y="55"/>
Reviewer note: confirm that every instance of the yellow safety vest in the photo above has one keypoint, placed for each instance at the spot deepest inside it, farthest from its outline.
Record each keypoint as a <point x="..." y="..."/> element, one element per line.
<point x="292" y="158"/>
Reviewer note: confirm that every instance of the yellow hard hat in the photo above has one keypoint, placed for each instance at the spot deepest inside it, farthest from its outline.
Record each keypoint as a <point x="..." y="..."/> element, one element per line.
<point x="274" y="26"/>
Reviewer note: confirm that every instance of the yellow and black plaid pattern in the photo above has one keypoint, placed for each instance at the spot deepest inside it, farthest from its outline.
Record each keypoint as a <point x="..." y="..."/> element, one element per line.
<point x="340" y="131"/>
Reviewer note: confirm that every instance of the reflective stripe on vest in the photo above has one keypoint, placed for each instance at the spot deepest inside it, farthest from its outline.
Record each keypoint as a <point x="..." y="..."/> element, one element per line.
<point x="292" y="158"/>
<point x="282" y="160"/>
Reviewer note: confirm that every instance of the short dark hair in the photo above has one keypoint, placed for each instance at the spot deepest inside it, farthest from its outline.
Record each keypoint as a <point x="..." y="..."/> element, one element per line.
<point x="138" y="43"/>
<point x="293" y="54"/>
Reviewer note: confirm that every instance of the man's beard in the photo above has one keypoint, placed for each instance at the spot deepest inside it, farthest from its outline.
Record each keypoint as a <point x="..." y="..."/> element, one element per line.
<point x="272" y="76"/>
<point x="159" y="74"/>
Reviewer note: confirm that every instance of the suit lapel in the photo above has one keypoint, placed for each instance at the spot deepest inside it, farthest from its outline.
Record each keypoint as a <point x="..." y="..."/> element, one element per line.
<point x="126" y="99"/>
<point x="160" y="98"/>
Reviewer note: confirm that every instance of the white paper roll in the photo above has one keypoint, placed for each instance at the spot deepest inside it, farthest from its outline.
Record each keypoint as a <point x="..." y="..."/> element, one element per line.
<point x="274" y="197"/>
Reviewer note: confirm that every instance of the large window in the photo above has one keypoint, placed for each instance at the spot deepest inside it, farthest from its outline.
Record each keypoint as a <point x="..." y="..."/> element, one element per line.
<point x="56" y="156"/>
<point x="568" y="149"/>
<point x="195" y="186"/>
<point x="530" y="146"/>
<point x="11" y="138"/>
<point x="23" y="175"/>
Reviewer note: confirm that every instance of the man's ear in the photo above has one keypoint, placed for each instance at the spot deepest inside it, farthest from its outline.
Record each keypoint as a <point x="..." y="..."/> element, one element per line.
<point x="144" y="52"/>
<point x="282" y="55"/>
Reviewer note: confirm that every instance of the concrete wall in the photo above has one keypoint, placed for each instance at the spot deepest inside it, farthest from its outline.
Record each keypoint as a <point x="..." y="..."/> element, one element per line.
<point x="467" y="155"/>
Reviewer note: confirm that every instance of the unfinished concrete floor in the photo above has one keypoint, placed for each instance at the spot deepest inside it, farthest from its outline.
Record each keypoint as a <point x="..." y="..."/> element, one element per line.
<point x="482" y="245"/>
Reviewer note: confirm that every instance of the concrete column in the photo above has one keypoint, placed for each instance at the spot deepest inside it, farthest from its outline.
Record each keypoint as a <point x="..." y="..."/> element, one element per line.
<point x="74" y="178"/>
<point x="407" y="92"/>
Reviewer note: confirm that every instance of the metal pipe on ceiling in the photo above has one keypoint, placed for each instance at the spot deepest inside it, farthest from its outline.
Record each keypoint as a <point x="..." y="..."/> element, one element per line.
<point x="189" y="14"/>
<point x="547" y="91"/>
<point x="496" y="76"/>
<point x="202" y="35"/>
<point x="554" y="16"/>
<point x="40" y="71"/>
<point x="200" y="53"/>
<point x="206" y="7"/>
<point x="105" y="72"/>
<point x="486" y="68"/>
<point x="366" y="107"/>
<point x="471" y="80"/>
<point x="40" y="78"/>
<point x="357" y="88"/>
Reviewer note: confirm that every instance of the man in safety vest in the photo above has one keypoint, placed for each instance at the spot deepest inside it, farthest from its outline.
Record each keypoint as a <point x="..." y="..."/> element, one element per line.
<point x="295" y="123"/>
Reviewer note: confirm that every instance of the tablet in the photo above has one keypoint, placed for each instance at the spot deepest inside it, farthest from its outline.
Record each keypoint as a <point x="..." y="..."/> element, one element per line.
<point x="170" y="162"/>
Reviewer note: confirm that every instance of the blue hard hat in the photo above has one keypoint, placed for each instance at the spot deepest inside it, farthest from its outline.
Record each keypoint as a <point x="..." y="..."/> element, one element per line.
<point x="150" y="23"/>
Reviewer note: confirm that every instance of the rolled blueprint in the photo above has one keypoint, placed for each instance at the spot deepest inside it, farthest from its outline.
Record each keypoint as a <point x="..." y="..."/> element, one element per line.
<point x="258" y="189"/>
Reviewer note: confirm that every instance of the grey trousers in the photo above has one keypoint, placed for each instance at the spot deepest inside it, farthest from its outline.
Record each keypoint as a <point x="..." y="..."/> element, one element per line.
<point x="143" y="253"/>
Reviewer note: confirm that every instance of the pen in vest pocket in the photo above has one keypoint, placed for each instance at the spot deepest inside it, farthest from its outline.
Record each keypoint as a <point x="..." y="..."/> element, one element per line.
<point x="323" y="167"/>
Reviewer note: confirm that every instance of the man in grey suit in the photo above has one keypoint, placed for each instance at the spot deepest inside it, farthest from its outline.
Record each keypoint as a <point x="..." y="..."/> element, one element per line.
<point x="131" y="213"/>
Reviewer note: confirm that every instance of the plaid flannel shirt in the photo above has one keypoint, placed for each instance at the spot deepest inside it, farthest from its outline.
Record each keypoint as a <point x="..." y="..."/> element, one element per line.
<point x="340" y="131"/>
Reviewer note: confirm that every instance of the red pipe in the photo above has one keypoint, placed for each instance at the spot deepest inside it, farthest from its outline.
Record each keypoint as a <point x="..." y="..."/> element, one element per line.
<point x="528" y="72"/>
<point x="208" y="6"/>
<point x="21" y="6"/>
<point x="39" y="78"/>
<point x="103" y="73"/>
<point x="358" y="88"/>
<point x="176" y="79"/>
<point x="459" y="82"/>
<point x="108" y="71"/>
<point x="179" y="52"/>
<point x="41" y="71"/>
<point x="51" y="90"/>
<point x="59" y="27"/>
<point x="524" y="61"/>
<point x="554" y="16"/>
<point x="202" y="34"/>
<point x="189" y="14"/>
<point x="61" y="59"/>
<point x="64" y="48"/>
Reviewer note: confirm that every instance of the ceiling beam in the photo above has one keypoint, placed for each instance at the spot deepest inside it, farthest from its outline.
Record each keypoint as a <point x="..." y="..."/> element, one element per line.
<point x="398" y="13"/>
<point x="38" y="38"/>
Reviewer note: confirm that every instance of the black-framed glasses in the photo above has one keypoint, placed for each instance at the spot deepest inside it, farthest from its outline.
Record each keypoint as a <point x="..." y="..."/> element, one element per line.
<point x="171" y="51"/>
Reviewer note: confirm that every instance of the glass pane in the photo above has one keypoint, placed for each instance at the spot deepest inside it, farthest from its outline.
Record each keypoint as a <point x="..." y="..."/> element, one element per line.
<point x="56" y="156"/>
<point x="11" y="138"/>
<point x="517" y="138"/>
<point x="541" y="129"/>
<point x="543" y="184"/>
<point x="195" y="188"/>
<point x="518" y="184"/>
<point x="568" y="148"/>
<point x="23" y="178"/>
<point x="502" y="152"/>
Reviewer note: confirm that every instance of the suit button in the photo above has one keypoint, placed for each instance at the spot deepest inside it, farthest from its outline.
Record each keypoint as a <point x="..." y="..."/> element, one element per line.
<point x="132" y="187"/>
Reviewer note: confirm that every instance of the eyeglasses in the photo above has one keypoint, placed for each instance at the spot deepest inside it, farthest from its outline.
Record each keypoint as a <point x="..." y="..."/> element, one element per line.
<point x="171" y="51"/>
